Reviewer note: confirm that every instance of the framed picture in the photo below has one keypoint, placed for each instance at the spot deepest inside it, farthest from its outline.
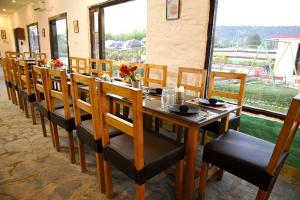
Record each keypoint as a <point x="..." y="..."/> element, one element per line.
<point x="3" y="34"/>
<point x="173" y="9"/>
<point x="76" y="27"/>
<point x="43" y="32"/>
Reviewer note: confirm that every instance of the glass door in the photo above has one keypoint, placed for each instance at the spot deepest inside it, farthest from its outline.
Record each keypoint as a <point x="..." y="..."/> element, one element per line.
<point x="59" y="38"/>
<point x="33" y="38"/>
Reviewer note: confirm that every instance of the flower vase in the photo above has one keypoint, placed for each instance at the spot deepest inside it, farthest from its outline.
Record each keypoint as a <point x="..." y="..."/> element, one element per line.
<point x="137" y="84"/>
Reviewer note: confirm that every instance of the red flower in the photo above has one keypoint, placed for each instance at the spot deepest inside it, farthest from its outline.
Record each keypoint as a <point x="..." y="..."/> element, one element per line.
<point x="133" y="68"/>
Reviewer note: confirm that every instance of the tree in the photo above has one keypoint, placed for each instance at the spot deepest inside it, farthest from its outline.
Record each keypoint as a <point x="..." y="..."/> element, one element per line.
<point x="253" y="41"/>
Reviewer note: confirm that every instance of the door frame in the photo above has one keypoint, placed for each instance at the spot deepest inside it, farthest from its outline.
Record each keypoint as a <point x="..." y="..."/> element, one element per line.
<point x="37" y="25"/>
<point x="50" y="19"/>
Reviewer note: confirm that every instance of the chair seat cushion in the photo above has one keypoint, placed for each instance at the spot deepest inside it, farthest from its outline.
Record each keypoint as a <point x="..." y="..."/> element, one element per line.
<point x="242" y="155"/>
<point x="58" y="117"/>
<point x="234" y="123"/>
<point x="160" y="153"/>
<point x="43" y="108"/>
<point x="85" y="133"/>
<point x="28" y="97"/>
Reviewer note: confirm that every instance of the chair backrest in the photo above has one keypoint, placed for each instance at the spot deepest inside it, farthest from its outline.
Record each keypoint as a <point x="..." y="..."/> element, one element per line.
<point x="200" y="77"/>
<point x="13" y="54"/>
<point x="79" y="65"/>
<point x="96" y="67"/>
<point x="239" y="96"/>
<point x="13" y="70"/>
<point x="39" y="56"/>
<point x="162" y="82"/>
<point x="39" y="83"/>
<point x="5" y="68"/>
<point x="134" y="129"/>
<point x="27" y="54"/>
<point x="25" y="78"/>
<point x="287" y="134"/>
<point x="90" y="106"/>
<point x="57" y="87"/>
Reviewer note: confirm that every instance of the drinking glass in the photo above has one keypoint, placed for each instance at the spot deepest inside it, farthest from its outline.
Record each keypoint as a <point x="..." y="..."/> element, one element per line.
<point x="167" y="97"/>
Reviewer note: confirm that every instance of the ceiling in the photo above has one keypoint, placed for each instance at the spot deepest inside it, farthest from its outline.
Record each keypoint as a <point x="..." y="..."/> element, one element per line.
<point x="12" y="7"/>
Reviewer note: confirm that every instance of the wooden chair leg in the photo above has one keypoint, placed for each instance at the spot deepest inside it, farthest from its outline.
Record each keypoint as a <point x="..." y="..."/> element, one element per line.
<point x="32" y="113"/>
<point x="261" y="195"/>
<point x="51" y="133"/>
<point x="43" y="125"/>
<point x="157" y="124"/>
<point x="179" y="133"/>
<point x="100" y="172"/>
<point x="55" y="136"/>
<point x="179" y="179"/>
<point x="108" y="179"/>
<point x="204" y="132"/>
<point x="220" y="174"/>
<point x="20" y="100"/>
<point x="13" y="95"/>
<point x="26" y="108"/>
<point x="7" y="90"/>
<point x="81" y="155"/>
<point x="203" y="179"/>
<point x="71" y="147"/>
<point x="140" y="192"/>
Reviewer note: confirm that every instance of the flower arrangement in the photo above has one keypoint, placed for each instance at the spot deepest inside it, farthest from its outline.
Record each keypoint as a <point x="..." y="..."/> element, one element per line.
<point x="129" y="72"/>
<point x="55" y="63"/>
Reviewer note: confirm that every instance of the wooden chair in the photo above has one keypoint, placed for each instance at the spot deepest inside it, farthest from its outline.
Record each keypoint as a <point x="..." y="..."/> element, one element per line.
<point x="88" y="131"/>
<point x="96" y="67"/>
<point x="40" y="58"/>
<point x="16" y="84"/>
<point x="13" y="54"/>
<point x="27" y="55"/>
<point x="10" y="69"/>
<point x="140" y="154"/>
<point x="57" y="88"/>
<point x="254" y="160"/>
<point x="27" y="89"/>
<point x="199" y="86"/>
<point x="234" y="119"/>
<point x="6" y="77"/>
<point x="149" y="80"/>
<point x="78" y="65"/>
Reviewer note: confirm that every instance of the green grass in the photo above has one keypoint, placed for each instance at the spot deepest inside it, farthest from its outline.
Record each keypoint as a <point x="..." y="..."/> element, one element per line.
<point x="261" y="95"/>
<point x="269" y="130"/>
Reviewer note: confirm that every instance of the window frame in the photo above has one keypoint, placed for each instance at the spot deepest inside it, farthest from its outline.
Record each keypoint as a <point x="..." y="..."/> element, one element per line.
<point x="38" y="33"/>
<point x="101" y="26"/>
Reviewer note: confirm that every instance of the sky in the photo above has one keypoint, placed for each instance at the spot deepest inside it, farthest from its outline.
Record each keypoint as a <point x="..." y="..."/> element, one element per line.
<point x="258" y="12"/>
<point x="126" y="17"/>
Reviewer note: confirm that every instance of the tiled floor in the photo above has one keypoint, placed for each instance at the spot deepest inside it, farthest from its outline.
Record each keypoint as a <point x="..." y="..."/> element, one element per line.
<point x="30" y="168"/>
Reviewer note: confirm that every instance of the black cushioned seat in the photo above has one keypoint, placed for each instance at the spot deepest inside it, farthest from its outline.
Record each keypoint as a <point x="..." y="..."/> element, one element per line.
<point x="43" y="108"/>
<point x="31" y="97"/>
<point x="242" y="155"/>
<point x="234" y="123"/>
<point x="160" y="153"/>
<point x="8" y="83"/>
<point x="85" y="133"/>
<point x="58" y="117"/>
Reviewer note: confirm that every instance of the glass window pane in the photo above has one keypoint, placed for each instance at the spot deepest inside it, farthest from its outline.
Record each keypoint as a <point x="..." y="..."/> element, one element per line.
<point x="33" y="38"/>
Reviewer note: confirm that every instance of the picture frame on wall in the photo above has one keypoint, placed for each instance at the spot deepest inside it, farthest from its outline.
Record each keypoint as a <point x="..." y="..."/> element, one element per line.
<point x="43" y="32"/>
<point x="3" y="34"/>
<point x="172" y="9"/>
<point x="76" y="26"/>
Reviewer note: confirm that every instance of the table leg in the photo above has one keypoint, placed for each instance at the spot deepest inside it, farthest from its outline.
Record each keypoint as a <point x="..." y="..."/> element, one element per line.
<point x="191" y="146"/>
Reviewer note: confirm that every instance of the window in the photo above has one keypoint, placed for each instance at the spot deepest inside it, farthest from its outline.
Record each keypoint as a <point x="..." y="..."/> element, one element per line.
<point x="116" y="31"/>
<point x="33" y="38"/>
<point x="262" y="45"/>
<point x="59" y="38"/>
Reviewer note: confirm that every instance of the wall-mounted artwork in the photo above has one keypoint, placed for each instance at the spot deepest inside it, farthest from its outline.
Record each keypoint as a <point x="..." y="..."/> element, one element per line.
<point x="173" y="9"/>
<point x="3" y="34"/>
<point x="43" y="32"/>
<point x="76" y="26"/>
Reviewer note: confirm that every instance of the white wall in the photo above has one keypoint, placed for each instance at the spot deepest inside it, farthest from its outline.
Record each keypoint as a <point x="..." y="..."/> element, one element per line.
<point x="6" y="44"/>
<point x="179" y="42"/>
